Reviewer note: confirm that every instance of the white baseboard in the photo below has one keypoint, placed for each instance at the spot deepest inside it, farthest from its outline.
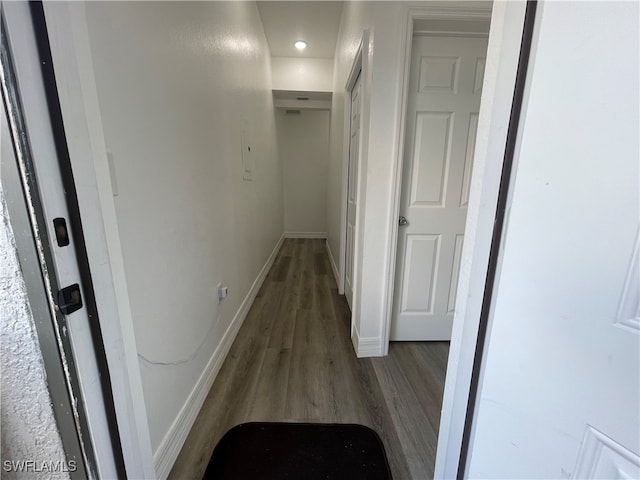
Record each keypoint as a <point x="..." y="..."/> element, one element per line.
<point x="172" y="443"/>
<point x="333" y="266"/>
<point x="355" y="338"/>
<point x="305" y="234"/>
<point x="366" y="346"/>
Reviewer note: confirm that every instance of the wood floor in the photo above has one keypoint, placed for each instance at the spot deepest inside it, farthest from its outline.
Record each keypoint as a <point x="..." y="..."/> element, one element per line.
<point x="293" y="361"/>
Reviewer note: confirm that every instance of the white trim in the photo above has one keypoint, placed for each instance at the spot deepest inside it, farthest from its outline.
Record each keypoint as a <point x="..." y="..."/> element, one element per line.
<point x="292" y="104"/>
<point x="406" y="45"/>
<point x="305" y="235"/>
<point x="365" y="346"/>
<point x="332" y="262"/>
<point x="173" y="441"/>
<point x="73" y="65"/>
<point x="356" y="70"/>
<point x="601" y="456"/>
<point x="436" y="33"/>
<point x="355" y="338"/>
<point x="361" y="67"/>
<point x="503" y="53"/>
<point x="628" y="316"/>
<point x="369" y="347"/>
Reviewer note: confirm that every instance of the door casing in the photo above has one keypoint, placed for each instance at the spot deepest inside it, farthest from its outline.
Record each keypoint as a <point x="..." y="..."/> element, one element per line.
<point x="361" y="68"/>
<point x="73" y="66"/>
<point x="503" y="52"/>
<point x="352" y="184"/>
<point x="462" y="13"/>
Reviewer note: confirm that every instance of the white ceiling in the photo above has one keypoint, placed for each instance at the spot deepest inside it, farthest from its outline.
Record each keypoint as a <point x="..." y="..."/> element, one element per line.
<point x="316" y="23"/>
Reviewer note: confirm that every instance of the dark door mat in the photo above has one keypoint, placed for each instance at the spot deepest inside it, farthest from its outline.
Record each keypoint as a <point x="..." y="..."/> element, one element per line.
<point x="308" y="451"/>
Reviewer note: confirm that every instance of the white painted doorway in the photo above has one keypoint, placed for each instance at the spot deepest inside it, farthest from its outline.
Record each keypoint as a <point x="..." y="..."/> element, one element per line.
<point x="559" y="385"/>
<point x="36" y="132"/>
<point x="352" y="186"/>
<point x="445" y="85"/>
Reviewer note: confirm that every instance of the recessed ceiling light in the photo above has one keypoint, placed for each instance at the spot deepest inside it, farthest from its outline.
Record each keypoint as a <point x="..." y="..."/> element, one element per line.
<point x="300" y="45"/>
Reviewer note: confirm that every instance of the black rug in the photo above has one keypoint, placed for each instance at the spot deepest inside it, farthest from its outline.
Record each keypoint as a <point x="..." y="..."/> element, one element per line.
<point x="309" y="451"/>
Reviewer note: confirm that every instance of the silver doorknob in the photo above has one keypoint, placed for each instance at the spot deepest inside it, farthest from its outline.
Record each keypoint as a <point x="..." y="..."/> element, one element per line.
<point x="402" y="221"/>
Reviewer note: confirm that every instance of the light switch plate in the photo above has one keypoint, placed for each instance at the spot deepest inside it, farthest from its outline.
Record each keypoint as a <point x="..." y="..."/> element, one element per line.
<point x="247" y="160"/>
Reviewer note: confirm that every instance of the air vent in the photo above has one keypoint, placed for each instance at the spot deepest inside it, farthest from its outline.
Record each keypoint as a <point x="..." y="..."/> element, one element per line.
<point x="292" y="112"/>
<point x="302" y="98"/>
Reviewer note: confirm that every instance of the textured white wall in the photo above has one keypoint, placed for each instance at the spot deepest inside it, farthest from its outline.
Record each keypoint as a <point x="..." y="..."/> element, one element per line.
<point x="178" y="84"/>
<point x="29" y="431"/>
<point x="306" y="74"/>
<point x="303" y="144"/>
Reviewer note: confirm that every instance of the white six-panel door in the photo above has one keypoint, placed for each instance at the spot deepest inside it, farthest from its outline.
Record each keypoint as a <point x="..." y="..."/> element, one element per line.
<point x="354" y="145"/>
<point x="442" y="115"/>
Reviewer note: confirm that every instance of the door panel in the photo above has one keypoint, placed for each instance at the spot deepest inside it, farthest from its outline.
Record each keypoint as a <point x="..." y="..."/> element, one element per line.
<point x="352" y="186"/>
<point x="422" y="253"/>
<point x="442" y="116"/>
<point x="432" y="150"/>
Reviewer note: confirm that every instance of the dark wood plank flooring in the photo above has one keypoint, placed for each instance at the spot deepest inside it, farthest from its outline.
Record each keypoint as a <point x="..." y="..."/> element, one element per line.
<point x="293" y="361"/>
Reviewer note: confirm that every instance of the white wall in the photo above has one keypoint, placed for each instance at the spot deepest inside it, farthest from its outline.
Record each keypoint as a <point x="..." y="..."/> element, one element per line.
<point x="303" y="144"/>
<point x="29" y="430"/>
<point x="556" y="362"/>
<point x="385" y="20"/>
<point x="177" y="84"/>
<point x="302" y="73"/>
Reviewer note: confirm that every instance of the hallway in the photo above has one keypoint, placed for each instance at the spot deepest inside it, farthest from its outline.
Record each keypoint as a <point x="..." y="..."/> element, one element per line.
<point x="155" y="159"/>
<point x="293" y="361"/>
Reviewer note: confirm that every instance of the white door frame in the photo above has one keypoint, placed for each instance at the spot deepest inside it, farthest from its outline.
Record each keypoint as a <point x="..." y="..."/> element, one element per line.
<point x="507" y="21"/>
<point x="353" y="160"/>
<point x="72" y="60"/>
<point x="361" y="67"/>
<point x="503" y="55"/>
<point x="73" y="65"/>
<point x="413" y="15"/>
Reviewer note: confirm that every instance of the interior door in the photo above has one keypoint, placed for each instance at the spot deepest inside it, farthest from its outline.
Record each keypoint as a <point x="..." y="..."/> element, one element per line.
<point x="559" y="390"/>
<point x="445" y="84"/>
<point x="352" y="185"/>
